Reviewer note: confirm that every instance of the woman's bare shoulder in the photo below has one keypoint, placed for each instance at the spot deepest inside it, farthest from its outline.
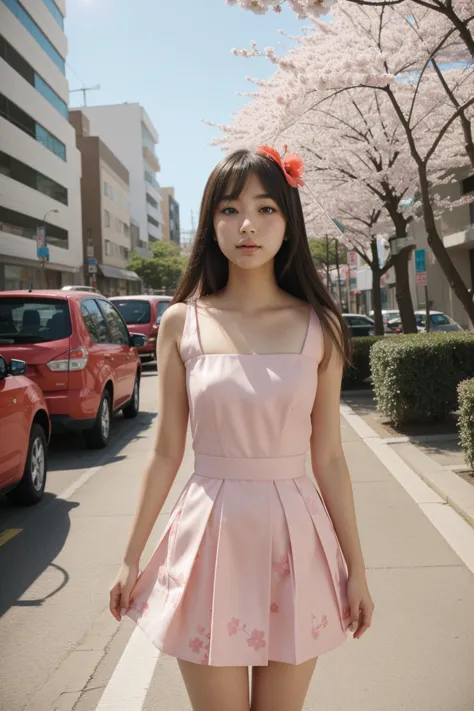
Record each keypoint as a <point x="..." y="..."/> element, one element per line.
<point x="172" y="321"/>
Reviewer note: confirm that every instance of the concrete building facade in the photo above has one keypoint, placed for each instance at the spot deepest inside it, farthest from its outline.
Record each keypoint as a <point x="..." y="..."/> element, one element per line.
<point x="170" y="216"/>
<point x="129" y="133"/>
<point x="40" y="166"/>
<point x="105" y="214"/>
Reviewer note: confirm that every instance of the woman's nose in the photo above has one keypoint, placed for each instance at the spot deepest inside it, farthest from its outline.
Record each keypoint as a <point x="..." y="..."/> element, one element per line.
<point x="247" y="226"/>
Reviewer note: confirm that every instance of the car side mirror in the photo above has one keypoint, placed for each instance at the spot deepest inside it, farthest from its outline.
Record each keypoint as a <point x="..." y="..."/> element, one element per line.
<point x="138" y="340"/>
<point x="3" y="368"/>
<point x="17" y="367"/>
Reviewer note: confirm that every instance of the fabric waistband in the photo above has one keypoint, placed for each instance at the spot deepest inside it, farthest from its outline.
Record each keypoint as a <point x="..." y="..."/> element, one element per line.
<point x="261" y="468"/>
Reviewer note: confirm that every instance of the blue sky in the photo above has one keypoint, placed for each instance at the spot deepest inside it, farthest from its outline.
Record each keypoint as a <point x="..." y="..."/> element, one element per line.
<point x="173" y="57"/>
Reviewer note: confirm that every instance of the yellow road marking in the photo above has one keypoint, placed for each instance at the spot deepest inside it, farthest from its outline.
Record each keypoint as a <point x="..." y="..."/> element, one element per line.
<point x="8" y="534"/>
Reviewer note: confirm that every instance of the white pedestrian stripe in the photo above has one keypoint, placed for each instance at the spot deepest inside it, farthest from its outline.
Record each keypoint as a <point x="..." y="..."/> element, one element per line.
<point x="129" y="684"/>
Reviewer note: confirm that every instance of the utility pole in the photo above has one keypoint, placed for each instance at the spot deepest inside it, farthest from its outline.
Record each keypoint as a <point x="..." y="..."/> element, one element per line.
<point x="84" y="90"/>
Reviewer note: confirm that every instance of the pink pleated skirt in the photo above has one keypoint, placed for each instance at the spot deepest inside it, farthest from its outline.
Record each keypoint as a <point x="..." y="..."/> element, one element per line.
<point x="248" y="569"/>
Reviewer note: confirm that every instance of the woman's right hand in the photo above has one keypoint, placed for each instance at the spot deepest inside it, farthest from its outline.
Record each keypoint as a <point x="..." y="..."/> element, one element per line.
<point x="121" y="590"/>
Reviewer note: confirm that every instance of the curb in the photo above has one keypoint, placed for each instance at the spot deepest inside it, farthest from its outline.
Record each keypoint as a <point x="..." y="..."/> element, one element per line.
<point x="449" y="486"/>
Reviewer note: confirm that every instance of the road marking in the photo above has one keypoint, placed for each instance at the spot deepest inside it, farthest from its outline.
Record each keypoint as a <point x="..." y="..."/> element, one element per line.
<point x="8" y="534"/>
<point x="454" y="529"/>
<point x="129" y="684"/>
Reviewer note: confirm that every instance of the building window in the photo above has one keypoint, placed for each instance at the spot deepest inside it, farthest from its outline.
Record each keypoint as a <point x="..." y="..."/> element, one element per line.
<point x="16" y="170"/>
<point x="19" y="118"/>
<point x="107" y="248"/>
<point x="55" y="11"/>
<point x="126" y="229"/>
<point x="106" y="218"/>
<point x="106" y="188"/>
<point x="51" y="97"/>
<point x="15" y="223"/>
<point x="123" y="252"/>
<point x="30" y="25"/>
<point x="152" y="221"/>
<point x="151" y="201"/>
<point x="150" y="179"/>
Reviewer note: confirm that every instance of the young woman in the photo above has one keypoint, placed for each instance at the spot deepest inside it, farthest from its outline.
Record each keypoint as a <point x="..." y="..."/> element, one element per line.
<point x="255" y="567"/>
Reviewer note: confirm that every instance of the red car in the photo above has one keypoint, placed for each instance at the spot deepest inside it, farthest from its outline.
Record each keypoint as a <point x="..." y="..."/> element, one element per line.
<point x="79" y="352"/>
<point x="142" y="314"/>
<point x="25" y="429"/>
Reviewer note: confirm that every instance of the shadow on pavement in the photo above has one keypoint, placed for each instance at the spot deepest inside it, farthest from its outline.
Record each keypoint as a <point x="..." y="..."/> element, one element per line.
<point x="45" y="527"/>
<point x="27" y="556"/>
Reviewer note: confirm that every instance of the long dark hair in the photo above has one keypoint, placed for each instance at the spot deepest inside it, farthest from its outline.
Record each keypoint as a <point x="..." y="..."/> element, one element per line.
<point x="208" y="269"/>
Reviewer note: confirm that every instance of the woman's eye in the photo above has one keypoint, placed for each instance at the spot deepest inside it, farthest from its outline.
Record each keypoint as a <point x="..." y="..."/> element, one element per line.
<point x="268" y="210"/>
<point x="229" y="210"/>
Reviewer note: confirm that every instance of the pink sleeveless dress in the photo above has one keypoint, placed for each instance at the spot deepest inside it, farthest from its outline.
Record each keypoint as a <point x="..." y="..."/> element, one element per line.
<point x="249" y="568"/>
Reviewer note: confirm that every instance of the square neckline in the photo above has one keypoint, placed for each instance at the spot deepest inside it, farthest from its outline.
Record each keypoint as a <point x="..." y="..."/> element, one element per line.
<point x="202" y="354"/>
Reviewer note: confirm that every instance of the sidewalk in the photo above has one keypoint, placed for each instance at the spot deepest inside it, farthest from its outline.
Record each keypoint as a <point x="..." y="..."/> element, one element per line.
<point x="418" y="654"/>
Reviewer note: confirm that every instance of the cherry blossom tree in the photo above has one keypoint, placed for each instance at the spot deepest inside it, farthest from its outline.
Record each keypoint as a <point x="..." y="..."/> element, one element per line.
<point x="403" y="54"/>
<point x="459" y="13"/>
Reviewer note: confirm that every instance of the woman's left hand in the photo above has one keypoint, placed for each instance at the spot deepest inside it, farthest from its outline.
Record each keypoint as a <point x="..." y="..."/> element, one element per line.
<point x="360" y="604"/>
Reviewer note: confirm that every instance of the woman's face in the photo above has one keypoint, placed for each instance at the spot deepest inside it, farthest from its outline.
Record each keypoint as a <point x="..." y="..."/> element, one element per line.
<point x="250" y="229"/>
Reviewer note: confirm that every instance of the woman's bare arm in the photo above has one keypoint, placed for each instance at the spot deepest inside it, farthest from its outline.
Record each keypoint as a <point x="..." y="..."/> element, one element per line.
<point x="169" y="445"/>
<point x="329" y="463"/>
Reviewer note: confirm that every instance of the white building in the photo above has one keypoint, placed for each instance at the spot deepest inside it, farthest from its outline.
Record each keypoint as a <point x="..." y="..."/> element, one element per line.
<point x="129" y="133"/>
<point x="40" y="165"/>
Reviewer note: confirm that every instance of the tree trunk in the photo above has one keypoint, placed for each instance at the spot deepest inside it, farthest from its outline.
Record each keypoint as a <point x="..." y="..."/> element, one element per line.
<point x="376" y="289"/>
<point x="439" y="250"/>
<point x="402" y="290"/>
<point x="462" y="28"/>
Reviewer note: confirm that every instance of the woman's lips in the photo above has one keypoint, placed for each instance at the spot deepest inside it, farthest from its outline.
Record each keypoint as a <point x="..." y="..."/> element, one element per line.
<point x="248" y="248"/>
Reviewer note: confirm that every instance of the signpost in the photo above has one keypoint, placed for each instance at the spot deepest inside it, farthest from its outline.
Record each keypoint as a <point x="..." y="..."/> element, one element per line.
<point x="421" y="280"/>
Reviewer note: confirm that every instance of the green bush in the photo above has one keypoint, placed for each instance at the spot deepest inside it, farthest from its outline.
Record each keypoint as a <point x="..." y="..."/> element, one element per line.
<point x="415" y="377"/>
<point x="358" y="373"/>
<point x="466" y="419"/>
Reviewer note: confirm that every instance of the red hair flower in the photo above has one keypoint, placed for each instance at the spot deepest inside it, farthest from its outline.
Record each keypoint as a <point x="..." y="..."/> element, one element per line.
<point x="290" y="163"/>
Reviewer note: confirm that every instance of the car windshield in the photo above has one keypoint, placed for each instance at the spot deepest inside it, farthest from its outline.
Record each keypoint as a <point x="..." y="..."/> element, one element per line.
<point x="33" y="320"/>
<point x="134" y="311"/>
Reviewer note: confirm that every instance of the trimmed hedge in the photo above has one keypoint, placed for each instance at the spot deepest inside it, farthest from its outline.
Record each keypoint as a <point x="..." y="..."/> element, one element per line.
<point x="466" y="419"/>
<point x="415" y="377"/>
<point x="358" y="373"/>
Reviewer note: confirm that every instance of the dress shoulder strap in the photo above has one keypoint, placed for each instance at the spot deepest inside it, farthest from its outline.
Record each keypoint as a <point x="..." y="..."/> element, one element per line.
<point x="190" y="346"/>
<point x="314" y="344"/>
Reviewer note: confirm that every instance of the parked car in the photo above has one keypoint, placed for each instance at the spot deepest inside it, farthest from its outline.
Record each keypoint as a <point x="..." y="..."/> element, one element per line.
<point x="76" y="287"/>
<point x="439" y="322"/>
<point x="142" y="314"/>
<point x="387" y="315"/>
<point x="359" y="325"/>
<point x="79" y="352"/>
<point x="25" y="430"/>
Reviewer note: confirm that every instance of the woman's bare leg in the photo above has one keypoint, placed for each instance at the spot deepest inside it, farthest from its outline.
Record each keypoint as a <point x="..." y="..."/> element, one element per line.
<point x="281" y="687"/>
<point x="216" y="688"/>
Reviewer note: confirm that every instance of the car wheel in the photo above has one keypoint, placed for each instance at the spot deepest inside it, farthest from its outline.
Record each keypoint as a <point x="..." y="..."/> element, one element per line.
<point x="31" y="488"/>
<point x="131" y="410"/>
<point x="98" y="436"/>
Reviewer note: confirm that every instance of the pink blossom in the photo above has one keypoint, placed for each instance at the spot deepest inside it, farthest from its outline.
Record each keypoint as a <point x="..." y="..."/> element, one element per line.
<point x="274" y="608"/>
<point x="200" y="630"/>
<point x="196" y="645"/>
<point x="282" y="567"/>
<point x="256" y="640"/>
<point x="233" y="626"/>
<point x="315" y="632"/>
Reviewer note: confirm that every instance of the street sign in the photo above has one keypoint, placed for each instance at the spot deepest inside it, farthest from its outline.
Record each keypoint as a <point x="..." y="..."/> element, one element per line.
<point x="420" y="267"/>
<point x="352" y="259"/>
<point x="40" y="239"/>
<point x="43" y="254"/>
<point x="92" y="268"/>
